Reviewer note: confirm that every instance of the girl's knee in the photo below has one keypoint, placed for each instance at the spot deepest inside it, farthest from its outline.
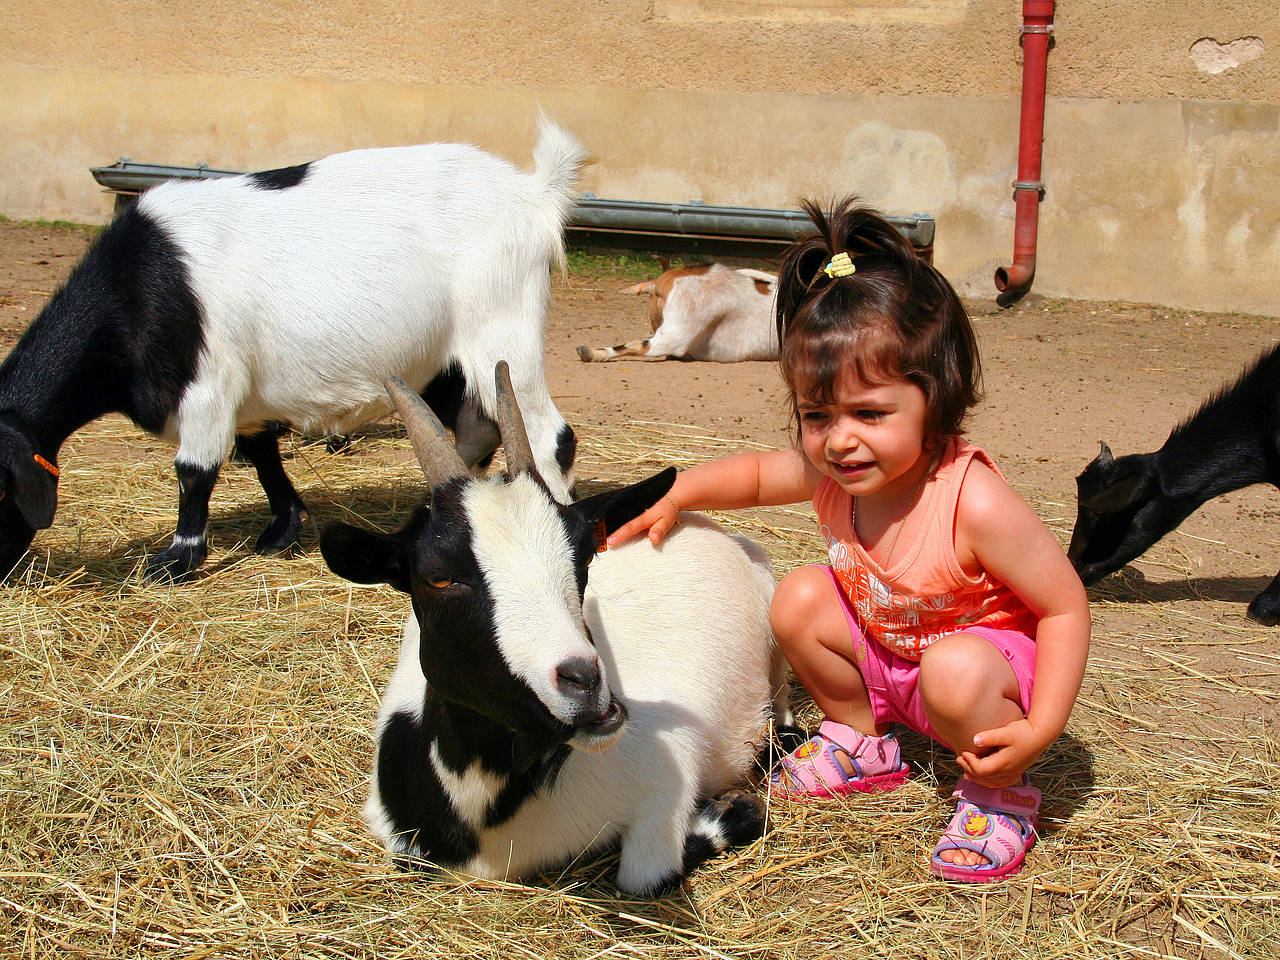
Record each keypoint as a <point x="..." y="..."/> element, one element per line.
<point x="963" y="670"/>
<point x="804" y="585"/>
<point x="807" y="609"/>
<point x="956" y="655"/>
<point x="799" y="595"/>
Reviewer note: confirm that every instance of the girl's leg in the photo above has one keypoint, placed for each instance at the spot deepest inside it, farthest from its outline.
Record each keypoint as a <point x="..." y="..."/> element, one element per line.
<point x="967" y="686"/>
<point x="825" y="648"/>
<point x="809" y="622"/>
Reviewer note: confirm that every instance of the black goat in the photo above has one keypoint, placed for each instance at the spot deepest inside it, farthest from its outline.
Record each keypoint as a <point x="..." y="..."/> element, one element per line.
<point x="1128" y="503"/>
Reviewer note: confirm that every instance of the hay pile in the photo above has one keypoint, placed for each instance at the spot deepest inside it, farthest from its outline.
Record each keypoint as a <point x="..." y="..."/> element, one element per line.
<point x="181" y="768"/>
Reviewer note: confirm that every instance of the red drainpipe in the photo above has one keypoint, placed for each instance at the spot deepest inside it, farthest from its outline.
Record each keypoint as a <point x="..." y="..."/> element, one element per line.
<point x="1028" y="189"/>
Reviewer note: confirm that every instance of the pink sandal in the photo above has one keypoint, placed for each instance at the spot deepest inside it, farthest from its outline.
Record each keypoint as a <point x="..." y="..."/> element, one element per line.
<point x="820" y="767"/>
<point x="999" y="824"/>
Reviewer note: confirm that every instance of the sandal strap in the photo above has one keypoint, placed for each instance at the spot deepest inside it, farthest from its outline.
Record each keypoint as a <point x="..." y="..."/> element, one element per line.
<point x="999" y="838"/>
<point x="1020" y="801"/>
<point x="860" y="747"/>
<point x="818" y="767"/>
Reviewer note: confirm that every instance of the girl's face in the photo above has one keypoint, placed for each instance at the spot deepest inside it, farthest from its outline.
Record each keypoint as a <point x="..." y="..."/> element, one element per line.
<point x="870" y="438"/>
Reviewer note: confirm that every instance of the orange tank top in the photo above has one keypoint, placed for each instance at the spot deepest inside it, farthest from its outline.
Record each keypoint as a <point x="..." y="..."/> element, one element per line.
<point x="924" y="594"/>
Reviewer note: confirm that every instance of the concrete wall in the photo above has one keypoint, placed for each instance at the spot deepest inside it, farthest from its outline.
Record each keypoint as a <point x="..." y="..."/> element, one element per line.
<point x="1162" y="132"/>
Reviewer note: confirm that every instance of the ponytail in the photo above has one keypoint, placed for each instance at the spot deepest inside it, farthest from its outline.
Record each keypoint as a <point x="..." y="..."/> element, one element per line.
<point x="893" y="315"/>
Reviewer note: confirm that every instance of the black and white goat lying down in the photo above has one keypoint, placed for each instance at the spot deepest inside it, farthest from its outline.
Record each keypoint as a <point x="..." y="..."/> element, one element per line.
<point x="549" y="702"/>
<point x="210" y="310"/>
<point x="1128" y="503"/>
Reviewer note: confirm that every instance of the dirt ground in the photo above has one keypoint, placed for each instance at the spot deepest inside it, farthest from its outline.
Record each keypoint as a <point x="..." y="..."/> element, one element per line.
<point x="1060" y="376"/>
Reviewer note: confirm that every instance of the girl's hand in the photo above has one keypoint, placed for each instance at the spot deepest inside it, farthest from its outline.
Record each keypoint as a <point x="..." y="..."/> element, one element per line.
<point x="1001" y="756"/>
<point x="659" y="520"/>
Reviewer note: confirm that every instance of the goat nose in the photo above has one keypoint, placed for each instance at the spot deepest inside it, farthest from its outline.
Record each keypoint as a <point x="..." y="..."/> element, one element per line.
<point x="578" y="678"/>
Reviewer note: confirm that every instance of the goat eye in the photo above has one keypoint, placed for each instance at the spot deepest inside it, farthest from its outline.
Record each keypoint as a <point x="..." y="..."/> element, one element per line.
<point x="439" y="582"/>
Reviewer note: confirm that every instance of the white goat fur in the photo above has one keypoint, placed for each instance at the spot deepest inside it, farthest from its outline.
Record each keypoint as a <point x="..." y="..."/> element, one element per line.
<point x="683" y="638"/>
<point x="704" y="313"/>
<point x="381" y="262"/>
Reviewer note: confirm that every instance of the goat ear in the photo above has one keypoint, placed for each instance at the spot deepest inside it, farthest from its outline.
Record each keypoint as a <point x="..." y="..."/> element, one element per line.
<point x="616" y="507"/>
<point x="1098" y="474"/>
<point x="1128" y="485"/>
<point x="363" y="556"/>
<point x="33" y="487"/>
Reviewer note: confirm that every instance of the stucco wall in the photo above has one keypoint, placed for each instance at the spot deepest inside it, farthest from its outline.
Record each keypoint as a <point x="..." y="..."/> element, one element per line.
<point x="1162" y="176"/>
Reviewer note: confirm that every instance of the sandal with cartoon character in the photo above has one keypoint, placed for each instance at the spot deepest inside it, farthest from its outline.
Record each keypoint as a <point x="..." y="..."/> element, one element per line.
<point x="839" y="760"/>
<point x="999" y="824"/>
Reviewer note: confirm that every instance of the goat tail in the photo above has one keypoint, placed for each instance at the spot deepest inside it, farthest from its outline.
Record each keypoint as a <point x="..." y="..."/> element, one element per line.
<point x="558" y="159"/>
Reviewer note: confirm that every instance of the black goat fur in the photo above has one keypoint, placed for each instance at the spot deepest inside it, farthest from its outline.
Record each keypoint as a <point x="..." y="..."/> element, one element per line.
<point x="1126" y="504"/>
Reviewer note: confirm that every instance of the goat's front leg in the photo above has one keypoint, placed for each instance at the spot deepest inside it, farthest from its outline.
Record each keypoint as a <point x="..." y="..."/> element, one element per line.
<point x="667" y="845"/>
<point x="189" y="548"/>
<point x="652" y="858"/>
<point x="287" y="509"/>
<point x="632" y="348"/>
<point x="1265" y="607"/>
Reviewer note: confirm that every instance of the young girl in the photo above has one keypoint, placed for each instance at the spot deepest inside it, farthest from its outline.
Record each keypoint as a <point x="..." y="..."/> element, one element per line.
<point x="945" y="594"/>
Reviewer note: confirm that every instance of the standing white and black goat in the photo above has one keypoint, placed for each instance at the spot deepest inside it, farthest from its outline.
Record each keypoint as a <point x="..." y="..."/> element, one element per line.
<point x="709" y="312"/>
<point x="548" y="701"/>
<point x="211" y="309"/>
<point x="1128" y="503"/>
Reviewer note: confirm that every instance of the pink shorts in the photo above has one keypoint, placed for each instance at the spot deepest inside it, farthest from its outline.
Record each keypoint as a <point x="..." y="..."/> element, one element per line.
<point x="893" y="682"/>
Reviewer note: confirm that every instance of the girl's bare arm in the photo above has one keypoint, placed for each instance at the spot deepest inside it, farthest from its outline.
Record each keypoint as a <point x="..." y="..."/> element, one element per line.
<point x="1014" y="546"/>
<point x="745" y="480"/>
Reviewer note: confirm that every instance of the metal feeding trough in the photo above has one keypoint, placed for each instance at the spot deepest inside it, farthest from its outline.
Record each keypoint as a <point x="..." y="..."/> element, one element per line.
<point x="633" y="224"/>
<point x="126" y="179"/>
<point x="630" y="223"/>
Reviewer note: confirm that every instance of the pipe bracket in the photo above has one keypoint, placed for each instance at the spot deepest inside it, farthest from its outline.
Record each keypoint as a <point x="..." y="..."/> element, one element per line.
<point x="1028" y="186"/>
<point x="1036" y="28"/>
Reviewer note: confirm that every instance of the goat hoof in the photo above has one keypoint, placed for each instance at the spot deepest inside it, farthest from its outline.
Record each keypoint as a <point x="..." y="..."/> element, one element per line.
<point x="174" y="564"/>
<point x="336" y="443"/>
<point x="282" y="533"/>
<point x="741" y="817"/>
<point x="1265" y="609"/>
<point x="787" y="738"/>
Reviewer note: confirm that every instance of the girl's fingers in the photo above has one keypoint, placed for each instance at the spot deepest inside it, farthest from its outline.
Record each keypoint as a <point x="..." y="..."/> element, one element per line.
<point x="661" y="527"/>
<point x="622" y="534"/>
<point x="657" y="521"/>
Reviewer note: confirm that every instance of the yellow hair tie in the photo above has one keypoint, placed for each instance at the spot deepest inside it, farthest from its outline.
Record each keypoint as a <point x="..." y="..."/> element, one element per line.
<point x="840" y="266"/>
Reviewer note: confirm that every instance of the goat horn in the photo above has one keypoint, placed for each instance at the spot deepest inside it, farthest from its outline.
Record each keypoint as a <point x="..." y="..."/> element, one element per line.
<point x="515" y="439"/>
<point x="431" y="442"/>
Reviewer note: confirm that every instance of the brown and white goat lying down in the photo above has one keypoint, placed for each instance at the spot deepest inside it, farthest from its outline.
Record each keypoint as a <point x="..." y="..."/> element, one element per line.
<point x="704" y="313"/>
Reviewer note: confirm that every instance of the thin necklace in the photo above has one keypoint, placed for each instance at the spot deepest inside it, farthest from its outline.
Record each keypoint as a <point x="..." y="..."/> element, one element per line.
<point x="901" y="521"/>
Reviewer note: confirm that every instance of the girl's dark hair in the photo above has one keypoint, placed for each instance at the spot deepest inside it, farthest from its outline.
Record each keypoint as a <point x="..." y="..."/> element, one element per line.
<point x="895" y="316"/>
